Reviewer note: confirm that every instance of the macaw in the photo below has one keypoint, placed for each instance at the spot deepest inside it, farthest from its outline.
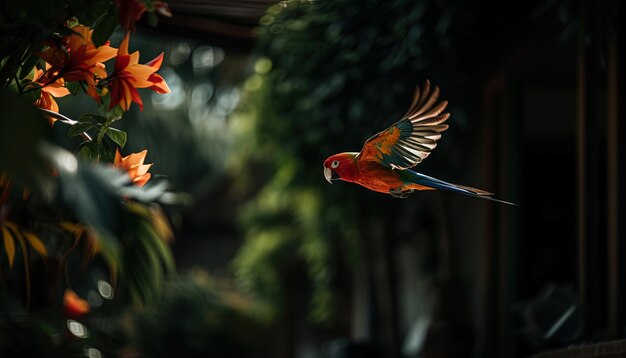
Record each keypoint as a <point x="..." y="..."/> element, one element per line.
<point x="383" y="163"/>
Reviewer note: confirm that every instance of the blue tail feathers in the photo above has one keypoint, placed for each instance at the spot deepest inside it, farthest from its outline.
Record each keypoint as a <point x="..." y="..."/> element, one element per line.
<point x="425" y="180"/>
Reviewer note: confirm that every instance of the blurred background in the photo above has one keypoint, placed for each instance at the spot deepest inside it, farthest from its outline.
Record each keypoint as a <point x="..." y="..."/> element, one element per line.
<point x="274" y="262"/>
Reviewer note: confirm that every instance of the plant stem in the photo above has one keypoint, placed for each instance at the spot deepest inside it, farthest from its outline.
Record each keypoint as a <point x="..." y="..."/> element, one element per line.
<point x="65" y="120"/>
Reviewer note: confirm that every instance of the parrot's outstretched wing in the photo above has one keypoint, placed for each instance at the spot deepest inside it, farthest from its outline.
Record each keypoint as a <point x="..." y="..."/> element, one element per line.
<point x="411" y="139"/>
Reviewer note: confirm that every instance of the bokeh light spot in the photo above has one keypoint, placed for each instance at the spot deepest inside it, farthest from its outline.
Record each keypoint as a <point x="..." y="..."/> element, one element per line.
<point x="180" y="54"/>
<point x="92" y="353"/>
<point x="77" y="329"/>
<point x="227" y="101"/>
<point x="263" y="65"/>
<point x="105" y="289"/>
<point x="204" y="58"/>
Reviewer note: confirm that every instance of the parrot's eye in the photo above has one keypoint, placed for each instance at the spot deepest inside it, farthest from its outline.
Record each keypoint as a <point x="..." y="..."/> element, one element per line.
<point x="334" y="164"/>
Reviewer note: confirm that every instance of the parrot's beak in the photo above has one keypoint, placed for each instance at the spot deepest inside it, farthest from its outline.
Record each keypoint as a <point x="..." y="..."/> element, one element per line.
<point x="328" y="174"/>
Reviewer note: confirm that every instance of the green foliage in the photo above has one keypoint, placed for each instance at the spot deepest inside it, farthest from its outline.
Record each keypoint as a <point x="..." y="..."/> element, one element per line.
<point x="329" y="75"/>
<point x="117" y="136"/>
<point x="205" y="318"/>
<point x="80" y="127"/>
<point x="75" y="209"/>
<point x="104" y="27"/>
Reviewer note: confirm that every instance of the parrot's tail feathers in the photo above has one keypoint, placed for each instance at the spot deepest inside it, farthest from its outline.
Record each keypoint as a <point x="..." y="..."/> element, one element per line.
<point x="496" y="200"/>
<point x="474" y="190"/>
<point x="425" y="180"/>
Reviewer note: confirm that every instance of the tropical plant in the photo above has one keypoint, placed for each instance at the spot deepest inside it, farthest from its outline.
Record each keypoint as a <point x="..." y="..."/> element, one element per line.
<point x="206" y="317"/>
<point x="328" y="75"/>
<point x="75" y="221"/>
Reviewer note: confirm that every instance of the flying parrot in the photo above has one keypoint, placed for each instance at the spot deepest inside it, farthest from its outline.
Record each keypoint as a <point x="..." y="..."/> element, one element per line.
<point x="383" y="163"/>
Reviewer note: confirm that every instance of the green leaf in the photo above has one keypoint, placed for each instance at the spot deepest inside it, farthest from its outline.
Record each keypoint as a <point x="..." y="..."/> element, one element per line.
<point x="9" y="244"/>
<point x="103" y="107"/>
<point x="115" y="113"/>
<point x="88" y="151"/>
<point x="74" y="87"/>
<point x="36" y="243"/>
<point x="117" y="136"/>
<point x="111" y="254"/>
<point x="106" y="152"/>
<point x="78" y="128"/>
<point x="104" y="29"/>
<point x="112" y="114"/>
<point x="29" y="64"/>
<point x="159" y="245"/>
<point x="93" y="118"/>
<point x="31" y="95"/>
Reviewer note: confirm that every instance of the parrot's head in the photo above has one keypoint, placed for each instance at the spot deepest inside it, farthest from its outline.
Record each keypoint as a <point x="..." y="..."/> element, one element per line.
<point x="341" y="166"/>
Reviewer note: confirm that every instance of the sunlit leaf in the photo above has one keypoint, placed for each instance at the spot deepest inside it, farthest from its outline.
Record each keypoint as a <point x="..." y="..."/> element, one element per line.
<point x="161" y="225"/>
<point x="93" y="118"/>
<point x="96" y="152"/>
<point x="79" y="128"/>
<point x="117" y="136"/>
<point x="9" y="244"/>
<point x="159" y="244"/>
<point x="73" y="228"/>
<point x="114" y="113"/>
<point x="35" y="243"/>
<point x="74" y="87"/>
<point x="89" y="151"/>
<point x="20" y="238"/>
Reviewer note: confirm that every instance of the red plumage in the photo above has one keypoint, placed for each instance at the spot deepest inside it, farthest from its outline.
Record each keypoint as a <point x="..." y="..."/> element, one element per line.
<point x="383" y="163"/>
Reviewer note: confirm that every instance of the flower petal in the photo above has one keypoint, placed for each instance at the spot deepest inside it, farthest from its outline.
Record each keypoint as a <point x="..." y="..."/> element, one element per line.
<point x="156" y="62"/>
<point x="159" y="85"/>
<point x="118" y="158"/>
<point x="56" y="90"/>
<point x="123" y="49"/>
<point x="142" y="180"/>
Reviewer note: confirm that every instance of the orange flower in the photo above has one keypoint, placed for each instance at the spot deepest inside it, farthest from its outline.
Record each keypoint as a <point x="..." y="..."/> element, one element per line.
<point x="129" y="75"/>
<point x="158" y="83"/>
<point x="133" y="164"/>
<point x="73" y="305"/>
<point x="49" y="90"/>
<point x="79" y="59"/>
